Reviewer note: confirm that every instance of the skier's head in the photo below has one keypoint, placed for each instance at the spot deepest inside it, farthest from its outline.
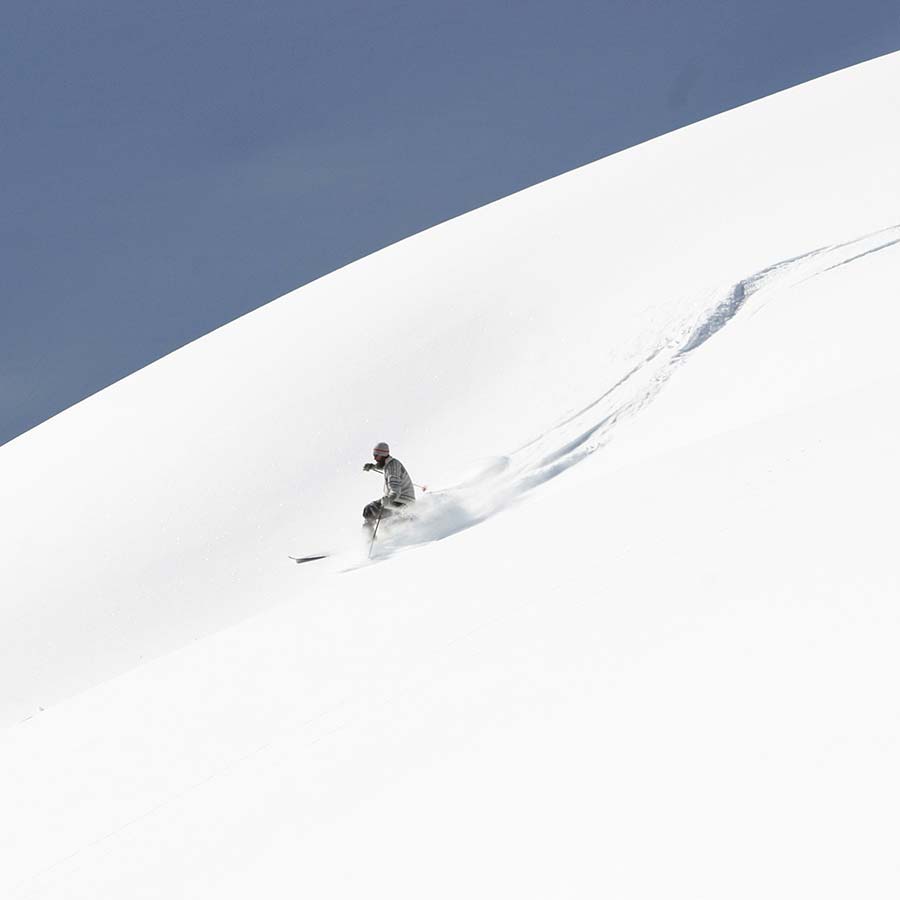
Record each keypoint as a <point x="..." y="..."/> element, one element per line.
<point x="381" y="452"/>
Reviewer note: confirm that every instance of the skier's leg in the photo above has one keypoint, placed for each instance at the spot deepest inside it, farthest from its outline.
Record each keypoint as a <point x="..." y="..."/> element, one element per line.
<point x="372" y="511"/>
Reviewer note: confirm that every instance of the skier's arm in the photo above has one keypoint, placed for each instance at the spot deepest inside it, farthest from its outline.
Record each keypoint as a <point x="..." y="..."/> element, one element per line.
<point x="393" y="481"/>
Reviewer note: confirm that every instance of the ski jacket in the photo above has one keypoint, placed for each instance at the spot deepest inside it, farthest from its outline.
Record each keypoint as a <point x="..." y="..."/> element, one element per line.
<point x="397" y="481"/>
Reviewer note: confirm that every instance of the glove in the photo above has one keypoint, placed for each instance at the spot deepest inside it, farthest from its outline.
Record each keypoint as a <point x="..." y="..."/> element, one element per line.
<point x="393" y="497"/>
<point x="368" y="467"/>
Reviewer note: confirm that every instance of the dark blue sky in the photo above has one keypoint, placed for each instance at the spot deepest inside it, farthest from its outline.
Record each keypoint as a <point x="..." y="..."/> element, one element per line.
<point x="169" y="166"/>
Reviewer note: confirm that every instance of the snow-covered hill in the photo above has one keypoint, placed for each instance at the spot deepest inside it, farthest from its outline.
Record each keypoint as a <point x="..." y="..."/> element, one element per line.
<point x="640" y="641"/>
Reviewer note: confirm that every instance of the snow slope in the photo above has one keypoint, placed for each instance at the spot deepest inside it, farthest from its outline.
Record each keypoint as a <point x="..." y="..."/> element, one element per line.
<point x="669" y="670"/>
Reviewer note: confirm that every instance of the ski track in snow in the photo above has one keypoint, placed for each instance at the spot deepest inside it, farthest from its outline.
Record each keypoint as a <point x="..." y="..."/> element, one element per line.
<point x="580" y="434"/>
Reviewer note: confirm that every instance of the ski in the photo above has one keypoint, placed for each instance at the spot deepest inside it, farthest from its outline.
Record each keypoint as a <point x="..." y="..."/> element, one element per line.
<point x="306" y="559"/>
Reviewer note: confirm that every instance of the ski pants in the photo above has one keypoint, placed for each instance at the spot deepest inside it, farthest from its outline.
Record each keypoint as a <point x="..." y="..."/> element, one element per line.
<point x="380" y="509"/>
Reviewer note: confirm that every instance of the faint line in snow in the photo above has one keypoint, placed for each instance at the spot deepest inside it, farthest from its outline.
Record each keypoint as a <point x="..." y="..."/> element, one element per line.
<point x="580" y="434"/>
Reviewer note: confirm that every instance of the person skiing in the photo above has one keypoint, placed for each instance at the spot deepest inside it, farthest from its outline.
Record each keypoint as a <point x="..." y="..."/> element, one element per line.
<point x="398" y="486"/>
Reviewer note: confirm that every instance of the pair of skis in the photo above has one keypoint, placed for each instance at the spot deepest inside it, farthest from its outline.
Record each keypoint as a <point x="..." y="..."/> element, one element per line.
<point x="306" y="559"/>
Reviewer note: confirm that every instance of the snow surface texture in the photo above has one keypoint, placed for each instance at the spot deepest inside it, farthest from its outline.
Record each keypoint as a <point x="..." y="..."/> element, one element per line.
<point x="668" y="672"/>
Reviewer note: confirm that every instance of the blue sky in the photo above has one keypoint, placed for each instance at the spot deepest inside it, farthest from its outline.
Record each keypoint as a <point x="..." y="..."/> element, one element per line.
<point x="169" y="166"/>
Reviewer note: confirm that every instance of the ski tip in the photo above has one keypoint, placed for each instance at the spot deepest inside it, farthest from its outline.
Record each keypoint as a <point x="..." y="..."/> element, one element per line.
<point x="306" y="559"/>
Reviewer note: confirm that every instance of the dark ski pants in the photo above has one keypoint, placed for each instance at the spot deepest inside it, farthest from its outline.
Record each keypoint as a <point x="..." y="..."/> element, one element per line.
<point x="380" y="509"/>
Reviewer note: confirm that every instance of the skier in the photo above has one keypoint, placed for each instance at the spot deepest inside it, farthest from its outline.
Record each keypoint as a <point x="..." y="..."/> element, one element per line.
<point x="398" y="486"/>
